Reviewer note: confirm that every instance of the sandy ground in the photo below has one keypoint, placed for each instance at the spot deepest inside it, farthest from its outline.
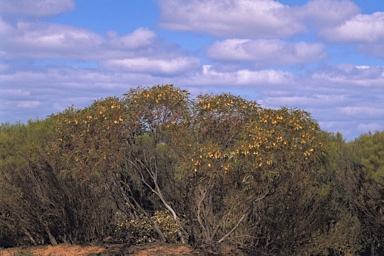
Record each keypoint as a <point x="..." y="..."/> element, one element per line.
<point x="60" y="250"/>
<point x="73" y="250"/>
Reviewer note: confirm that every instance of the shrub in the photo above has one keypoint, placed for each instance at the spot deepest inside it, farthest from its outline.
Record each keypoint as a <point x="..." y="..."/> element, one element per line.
<point x="139" y="231"/>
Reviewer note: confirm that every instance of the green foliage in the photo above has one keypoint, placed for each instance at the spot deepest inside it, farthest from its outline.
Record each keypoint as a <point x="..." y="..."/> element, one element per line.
<point x="368" y="158"/>
<point x="24" y="175"/>
<point x="36" y="201"/>
<point x="370" y="153"/>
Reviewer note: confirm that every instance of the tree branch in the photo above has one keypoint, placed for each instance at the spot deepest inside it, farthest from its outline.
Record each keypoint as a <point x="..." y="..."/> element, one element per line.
<point x="241" y="219"/>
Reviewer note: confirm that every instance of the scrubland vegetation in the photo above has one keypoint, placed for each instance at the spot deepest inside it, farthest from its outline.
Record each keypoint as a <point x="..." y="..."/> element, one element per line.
<point x="156" y="165"/>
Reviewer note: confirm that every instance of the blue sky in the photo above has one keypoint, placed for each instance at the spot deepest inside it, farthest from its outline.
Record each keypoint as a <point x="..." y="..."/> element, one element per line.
<point x="322" y="56"/>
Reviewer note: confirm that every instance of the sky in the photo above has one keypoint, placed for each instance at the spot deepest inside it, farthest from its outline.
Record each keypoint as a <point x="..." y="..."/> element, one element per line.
<point x="322" y="56"/>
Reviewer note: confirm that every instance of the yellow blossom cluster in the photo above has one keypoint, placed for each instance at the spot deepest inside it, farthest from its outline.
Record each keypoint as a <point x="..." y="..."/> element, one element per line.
<point x="106" y="113"/>
<point x="87" y="136"/>
<point x="225" y="103"/>
<point x="211" y="158"/>
<point x="161" y="94"/>
<point x="268" y="140"/>
<point x="279" y="136"/>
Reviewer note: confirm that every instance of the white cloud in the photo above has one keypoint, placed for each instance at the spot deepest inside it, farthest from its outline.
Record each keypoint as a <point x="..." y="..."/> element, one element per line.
<point x="150" y="65"/>
<point x="312" y="99"/>
<point x="350" y="75"/>
<point x="28" y="104"/>
<point x="253" y="18"/>
<point x="35" y="8"/>
<point x="264" y="76"/>
<point x="248" y="78"/>
<point x="363" y="28"/>
<point x="266" y="52"/>
<point x="139" y="38"/>
<point x="5" y="28"/>
<point x="14" y="93"/>
<point x="38" y="40"/>
<point x="230" y="18"/>
<point x="373" y="49"/>
<point x="140" y="51"/>
<point x="372" y="127"/>
<point x="363" y="111"/>
<point x="3" y="67"/>
<point x="326" y="13"/>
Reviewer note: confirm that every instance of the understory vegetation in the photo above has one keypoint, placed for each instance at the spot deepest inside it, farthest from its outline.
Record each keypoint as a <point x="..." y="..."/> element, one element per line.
<point x="157" y="165"/>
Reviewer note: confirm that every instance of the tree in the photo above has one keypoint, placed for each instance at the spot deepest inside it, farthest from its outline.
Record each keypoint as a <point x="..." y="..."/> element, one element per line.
<point x="27" y="178"/>
<point x="157" y="116"/>
<point x="368" y="158"/>
<point x="88" y="154"/>
<point x="241" y="158"/>
<point x="206" y="162"/>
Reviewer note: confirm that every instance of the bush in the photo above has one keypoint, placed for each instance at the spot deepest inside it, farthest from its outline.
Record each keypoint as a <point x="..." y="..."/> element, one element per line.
<point x="141" y="230"/>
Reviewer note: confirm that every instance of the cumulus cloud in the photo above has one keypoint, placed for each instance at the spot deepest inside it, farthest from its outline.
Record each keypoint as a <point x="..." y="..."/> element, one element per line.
<point x="140" y="51"/>
<point x="253" y="18"/>
<point x="351" y="75"/>
<point x="14" y="93"/>
<point x="3" y="67"/>
<point x="275" y="77"/>
<point x="309" y="98"/>
<point x="156" y="66"/>
<point x="40" y="40"/>
<point x="266" y="52"/>
<point x="28" y="104"/>
<point x="326" y="13"/>
<point x="362" y="28"/>
<point x="372" y="49"/>
<point x="47" y="40"/>
<point x="140" y="38"/>
<point x="265" y="78"/>
<point x="366" y="111"/>
<point x="231" y="18"/>
<point x="35" y="8"/>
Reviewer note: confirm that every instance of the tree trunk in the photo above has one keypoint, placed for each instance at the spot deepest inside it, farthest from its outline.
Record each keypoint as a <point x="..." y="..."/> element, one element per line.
<point x="52" y="239"/>
<point x="26" y="232"/>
